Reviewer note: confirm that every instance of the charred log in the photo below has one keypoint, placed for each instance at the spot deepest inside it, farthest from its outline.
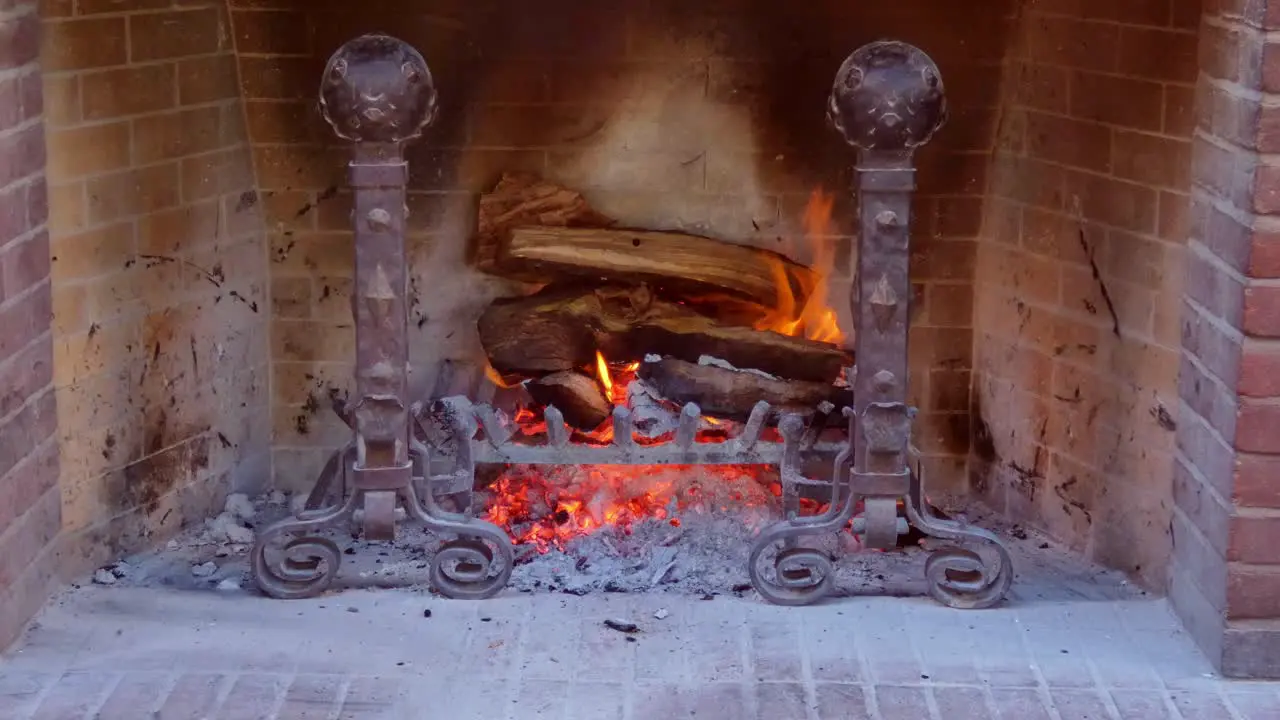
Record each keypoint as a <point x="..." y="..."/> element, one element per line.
<point x="535" y="231"/>
<point x="578" y="397"/>
<point x="732" y="393"/>
<point x="561" y="329"/>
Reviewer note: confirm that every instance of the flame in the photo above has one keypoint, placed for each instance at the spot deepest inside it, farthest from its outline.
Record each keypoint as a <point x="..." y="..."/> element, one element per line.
<point x="496" y="378"/>
<point x="602" y="370"/>
<point x="816" y="320"/>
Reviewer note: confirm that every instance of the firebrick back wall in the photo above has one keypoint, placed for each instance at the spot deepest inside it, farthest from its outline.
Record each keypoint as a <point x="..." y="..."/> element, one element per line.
<point x="703" y="117"/>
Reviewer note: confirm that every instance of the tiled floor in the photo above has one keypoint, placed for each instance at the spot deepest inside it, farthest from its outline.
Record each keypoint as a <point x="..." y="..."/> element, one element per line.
<point x="133" y="653"/>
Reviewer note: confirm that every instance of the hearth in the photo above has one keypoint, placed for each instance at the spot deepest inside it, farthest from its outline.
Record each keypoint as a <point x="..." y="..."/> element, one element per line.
<point x="410" y="457"/>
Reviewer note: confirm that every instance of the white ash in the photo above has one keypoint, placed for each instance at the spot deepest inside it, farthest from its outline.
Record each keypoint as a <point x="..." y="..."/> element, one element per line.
<point x="650" y="415"/>
<point x="707" y="553"/>
<point x="227" y="528"/>
<point x="240" y="506"/>
<point x="103" y="576"/>
<point x="712" y="361"/>
<point x="204" y="570"/>
<point x="277" y="498"/>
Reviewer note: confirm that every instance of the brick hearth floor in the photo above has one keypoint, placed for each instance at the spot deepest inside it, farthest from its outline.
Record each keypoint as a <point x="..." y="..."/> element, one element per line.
<point x="135" y="653"/>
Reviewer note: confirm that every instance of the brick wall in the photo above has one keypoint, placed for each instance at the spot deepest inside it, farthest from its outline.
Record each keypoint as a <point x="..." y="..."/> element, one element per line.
<point x="1079" y="274"/>
<point x="29" y="500"/>
<point x="705" y="117"/>
<point x="1226" y="579"/>
<point x="159" y="270"/>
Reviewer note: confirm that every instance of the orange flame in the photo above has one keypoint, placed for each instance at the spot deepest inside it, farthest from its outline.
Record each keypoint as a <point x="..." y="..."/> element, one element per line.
<point x="816" y="320"/>
<point x="602" y="370"/>
<point x="496" y="378"/>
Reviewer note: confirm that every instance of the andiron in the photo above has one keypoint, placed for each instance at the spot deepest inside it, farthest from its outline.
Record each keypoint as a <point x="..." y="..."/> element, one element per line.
<point x="377" y="93"/>
<point x="887" y="100"/>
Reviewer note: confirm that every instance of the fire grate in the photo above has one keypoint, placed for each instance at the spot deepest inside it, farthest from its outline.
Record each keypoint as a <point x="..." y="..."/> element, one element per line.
<point x="377" y="92"/>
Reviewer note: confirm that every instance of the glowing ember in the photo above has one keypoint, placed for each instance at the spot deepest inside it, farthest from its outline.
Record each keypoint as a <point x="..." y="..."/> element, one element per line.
<point x="545" y="507"/>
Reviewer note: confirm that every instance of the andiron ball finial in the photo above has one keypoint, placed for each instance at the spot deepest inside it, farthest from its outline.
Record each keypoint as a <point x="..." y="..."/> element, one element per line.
<point x="887" y="96"/>
<point x="377" y="89"/>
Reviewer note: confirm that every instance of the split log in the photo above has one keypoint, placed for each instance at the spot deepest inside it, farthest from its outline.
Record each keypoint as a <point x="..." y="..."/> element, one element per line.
<point x="730" y="393"/>
<point x="679" y="264"/>
<point x="520" y="200"/>
<point x="535" y="231"/>
<point x="578" y="397"/>
<point x="561" y="329"/>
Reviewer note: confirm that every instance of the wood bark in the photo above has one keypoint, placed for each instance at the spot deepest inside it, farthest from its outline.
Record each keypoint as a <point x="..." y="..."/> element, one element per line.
<point x="730" y="393"/>
<point x="579" y="398"/>
<point x="535" y="231"/>
<point x="561" y="329"/>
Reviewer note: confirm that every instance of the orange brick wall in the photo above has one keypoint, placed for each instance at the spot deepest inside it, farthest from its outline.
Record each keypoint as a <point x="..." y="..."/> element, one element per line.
<point x="704" y="117"/>
<point x="1079" y="276"/>
<point x="159" y="270"/>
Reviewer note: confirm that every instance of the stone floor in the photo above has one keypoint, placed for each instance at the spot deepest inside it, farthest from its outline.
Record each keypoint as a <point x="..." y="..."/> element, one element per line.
<point x="133" y="653"/>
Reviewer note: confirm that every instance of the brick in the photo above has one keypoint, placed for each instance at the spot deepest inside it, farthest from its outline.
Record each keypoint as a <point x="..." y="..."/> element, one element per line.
<point x="83" y="43"/>
<point x="23" y="540"/>
<point x="19" y="40"/>
<point x="1266" y="198"/>
<point x="1259" y="371"/>
<point x="88" y="150"/>
<point x="1252" y="592"/>
<point x="1255" y="480"/>
<point x="1264" y="255"/>
<point x="271" y="32"/>
<point x="1215" y="288"/>
<point x="207" y="79"/>
<point x="1262" y="311"/>
<point x="193" y="696"/>
<point x="24" y="265"/>
<point x="28" y="481"/>
<point x="98" y="7"/>
<point x="1127" y="102"/>
<point x="1253" y="539"/>
<point x="24" y="153"/>
<point x="1256" y="427"/>
<point x="104" y="250"/>
<point x="172" y="135"/>
<point x="135" y="692"/>
<point x="180" y="33"/>
<point x="132" y="192"/>
<point x="1251" y="652"/>
<point x="1068" y="141"/>
<point x="1158" y="54"/>
<point x="1152" y="159"/>
<point x="128" y="91"/>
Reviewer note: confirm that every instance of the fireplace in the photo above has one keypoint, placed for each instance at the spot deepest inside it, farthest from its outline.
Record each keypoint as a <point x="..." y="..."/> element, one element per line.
<point x="1088" y="334"/>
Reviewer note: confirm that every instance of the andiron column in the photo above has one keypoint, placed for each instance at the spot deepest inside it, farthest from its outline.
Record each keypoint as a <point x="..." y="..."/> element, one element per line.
<point x="377" y="93"/>
<point x="887" y="100"/>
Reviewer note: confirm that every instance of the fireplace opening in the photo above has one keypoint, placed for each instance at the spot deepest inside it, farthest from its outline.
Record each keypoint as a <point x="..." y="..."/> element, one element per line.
<point x="664" y="176"/>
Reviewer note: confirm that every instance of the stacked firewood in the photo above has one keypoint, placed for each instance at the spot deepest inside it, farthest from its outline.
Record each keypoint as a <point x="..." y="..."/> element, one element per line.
<point x="689" y="309"/>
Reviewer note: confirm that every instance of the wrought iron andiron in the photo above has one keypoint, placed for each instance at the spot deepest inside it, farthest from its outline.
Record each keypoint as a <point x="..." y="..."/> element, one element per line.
<point x="377" y="93"/>
<point x="887" y="100"/>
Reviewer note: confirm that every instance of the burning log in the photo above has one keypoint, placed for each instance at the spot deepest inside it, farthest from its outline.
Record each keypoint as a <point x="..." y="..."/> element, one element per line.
<point x="578" y="397"/>
<point x="561" y="329"/>
<point x="731" y="393"/>
<point x="532" y="230"/>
